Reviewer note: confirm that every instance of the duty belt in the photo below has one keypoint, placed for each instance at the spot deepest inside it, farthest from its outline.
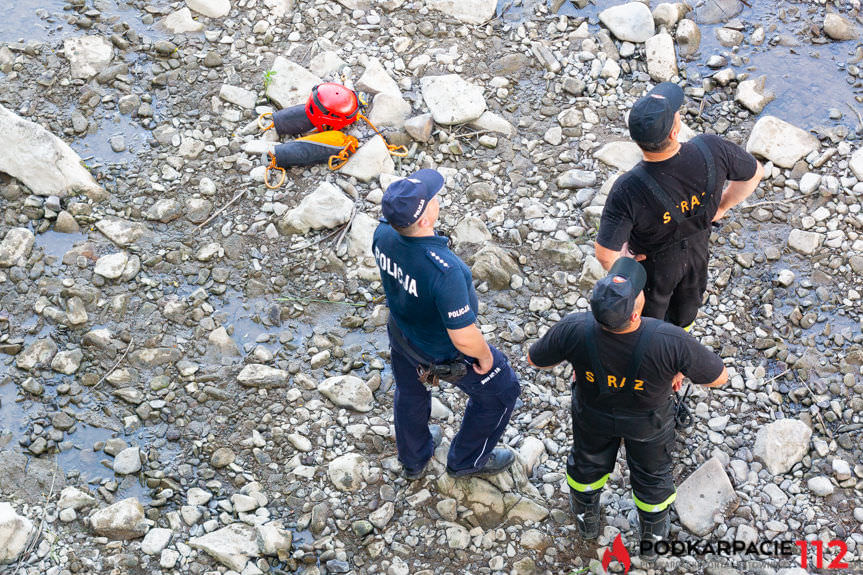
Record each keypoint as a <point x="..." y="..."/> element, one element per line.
<point x="428" y="373"/>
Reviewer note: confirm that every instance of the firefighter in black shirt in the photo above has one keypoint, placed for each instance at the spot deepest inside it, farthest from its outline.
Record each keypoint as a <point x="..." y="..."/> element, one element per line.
<point x="660" y="212"/>
<point x="625" y="367"/>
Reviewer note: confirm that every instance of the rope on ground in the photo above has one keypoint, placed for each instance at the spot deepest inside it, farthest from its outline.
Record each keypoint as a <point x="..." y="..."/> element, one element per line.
<point x="222" y="209"/>
<point x="782" y="202"/>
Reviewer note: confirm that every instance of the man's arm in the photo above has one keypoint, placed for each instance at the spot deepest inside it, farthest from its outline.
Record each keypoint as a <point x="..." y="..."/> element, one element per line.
<point x="721" y="380"/>
<point x="736" y="192"/>
<point x="530" y="362"/>
<point x="605" y="256"/>
<point x="470" y="341"/>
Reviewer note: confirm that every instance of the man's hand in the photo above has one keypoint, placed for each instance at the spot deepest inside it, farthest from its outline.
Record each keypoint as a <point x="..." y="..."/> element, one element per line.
<point x="483" y="365"/>
<point x="677" y="382"/>
<point x="626" y="253"/>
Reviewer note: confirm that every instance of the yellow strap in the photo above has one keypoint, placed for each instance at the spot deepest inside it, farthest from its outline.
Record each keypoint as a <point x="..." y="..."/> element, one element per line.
<point x="273" y="166"/>
<point x="261" y="123"/>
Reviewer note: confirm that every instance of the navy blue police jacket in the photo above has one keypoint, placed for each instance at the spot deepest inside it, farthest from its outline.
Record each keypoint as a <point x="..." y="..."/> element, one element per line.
<point x="428" y="288"/>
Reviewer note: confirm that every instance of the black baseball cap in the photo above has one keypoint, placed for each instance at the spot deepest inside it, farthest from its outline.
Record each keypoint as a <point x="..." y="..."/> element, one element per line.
<point x="652" y="116"/>
<point x="406" y="200"/>
<point x="613" y="297"/>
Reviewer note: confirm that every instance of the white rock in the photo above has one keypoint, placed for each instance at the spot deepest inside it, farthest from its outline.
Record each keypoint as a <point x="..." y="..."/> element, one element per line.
<point x="238" y="96"/>
<point x="197" y="496"/>
<point x="111" y="266"/>
<point x="841" y="469"/>
<point x="632" y="22"/>
<point x="232" y="546"/>
<point x="452" y="100"/>
<point x="361" y="234"/>
<point x="369" y="162"/>
<point x="301" y="443"/>
<point x="389" y="111"/>
<point x="128" y="461"/>
<point x="531" y="451"/>
<point x="810" y="182"/>
<point x="754" y="94"/>
<point x="347" y="391"/>
<point x="326" y="207"/>
<point x="467" y="11"/>
<point x="856" y="164"/>
<point x="326" y="63"/>
<point x="40" y="352"/>
<point x="420" y="127"/>
<point x="575" y="179"/>
<point x="259" y="375"/>
<point x="805" y="242"/>
<point x="346" y="471"/>
<point x="381" y="516"/>
<point x="273" y="538"/>
<point x="785" y="278"/>
<point x="688" y="37"/>
<point x="780" y="142"/>
<point x="220" y="344"/>
<point x="290" y="83"/>
<point x="493" y="123"/>
<point x="820" y="486"/>
<point x="839" y="28"/>
<point x="376" y="80"/>
<point x="181" y="22"/>
<point x="661" y="60"/>
<point x="25" y="145"/>
<point x="16" y="246"/>
<point x="156" y="540"/>
<point x="165" y="210"/>
<point x="87" y="55"/>
<point x="168" y="559"/>
<point x="668" y="15"/>
<point x="74" y="498"/>
<point x="121" y="232"/>
<point x="621" y="155"/>
<point x="243" y="503"/>
<point x="67" y="362"/>
<point x="15" y="533"/>
<point x="781" y="444"/>
<point x="610" y="69"/>
<point x="122" y="520"/>
<point x="705" y="493"/>
<point x="471" y="230"/>
<point x="210" y="8"/>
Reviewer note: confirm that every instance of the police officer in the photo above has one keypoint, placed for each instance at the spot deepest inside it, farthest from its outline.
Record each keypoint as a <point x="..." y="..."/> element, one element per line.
<point x="660" y="212"/>
<point x="624" y="368"/>
<point x="433" y="336"/>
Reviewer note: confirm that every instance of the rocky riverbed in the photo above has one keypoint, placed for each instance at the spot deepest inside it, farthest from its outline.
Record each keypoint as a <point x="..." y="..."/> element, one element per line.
<point x="187" y="389"/>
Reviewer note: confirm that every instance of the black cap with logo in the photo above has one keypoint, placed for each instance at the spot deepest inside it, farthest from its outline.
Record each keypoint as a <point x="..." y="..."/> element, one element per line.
<point x="613" y="297"/>
<point x="652" y="116"/>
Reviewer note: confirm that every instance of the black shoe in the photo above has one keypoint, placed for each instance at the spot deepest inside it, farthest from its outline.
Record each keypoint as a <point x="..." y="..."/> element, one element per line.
<point x="437" y="437"/>
<point x="655" y="527"/>
<point x="500" y="460"/>
<point x="585" y="508"/>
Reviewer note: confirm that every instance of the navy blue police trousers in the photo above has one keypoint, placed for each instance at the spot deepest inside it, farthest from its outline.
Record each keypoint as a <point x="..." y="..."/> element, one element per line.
<point x="491" y="400"/>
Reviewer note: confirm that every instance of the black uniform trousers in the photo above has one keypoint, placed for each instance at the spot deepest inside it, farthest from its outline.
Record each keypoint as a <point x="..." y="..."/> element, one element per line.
<point x="649" y="439"/>
<point x="677" y="280"/>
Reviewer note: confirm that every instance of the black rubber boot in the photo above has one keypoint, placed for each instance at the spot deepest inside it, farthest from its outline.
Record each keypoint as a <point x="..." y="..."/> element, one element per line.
<point x="585" y="508"/>
<point x="655" y="527"/>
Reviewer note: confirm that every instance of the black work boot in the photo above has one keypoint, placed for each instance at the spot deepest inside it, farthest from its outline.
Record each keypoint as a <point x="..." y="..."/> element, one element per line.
<point x="654" y="528"/>
<point x="585" y="508"/>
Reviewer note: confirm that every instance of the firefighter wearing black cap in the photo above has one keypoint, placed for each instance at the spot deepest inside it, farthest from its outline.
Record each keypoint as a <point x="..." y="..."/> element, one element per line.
<point x="660" y="212"/>
<point x="625" y="367"/>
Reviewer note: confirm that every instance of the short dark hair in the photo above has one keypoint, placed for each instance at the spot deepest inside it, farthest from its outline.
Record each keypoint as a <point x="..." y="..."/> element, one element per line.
<point x="404" y="231"/>
<point x="654" y="146"/>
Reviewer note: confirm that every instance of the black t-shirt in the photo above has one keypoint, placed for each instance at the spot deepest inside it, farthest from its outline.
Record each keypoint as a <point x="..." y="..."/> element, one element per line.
<point x="632" y="213"/>
<point x="669" y="350"/>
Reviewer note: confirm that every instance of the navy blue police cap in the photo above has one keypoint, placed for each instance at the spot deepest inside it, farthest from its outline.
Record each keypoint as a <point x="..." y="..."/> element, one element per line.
<point x="652" y="116"/>
<point x="613" y="297"/>
<point x="406" y="200"/>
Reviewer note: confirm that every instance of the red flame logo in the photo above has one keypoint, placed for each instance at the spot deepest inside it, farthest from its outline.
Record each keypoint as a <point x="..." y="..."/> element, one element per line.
<point x="618" y="551"/>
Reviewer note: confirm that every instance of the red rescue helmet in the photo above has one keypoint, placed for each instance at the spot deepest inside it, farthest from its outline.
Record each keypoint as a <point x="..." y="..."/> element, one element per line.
<point x="332" y="106"/>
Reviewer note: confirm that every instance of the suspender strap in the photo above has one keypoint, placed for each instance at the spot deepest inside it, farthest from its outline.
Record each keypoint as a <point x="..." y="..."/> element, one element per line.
<point x="640" y="348"/>
<point x="601" y="378"/>
<point x="641" y="173"/>
<point x="711" y="171"/>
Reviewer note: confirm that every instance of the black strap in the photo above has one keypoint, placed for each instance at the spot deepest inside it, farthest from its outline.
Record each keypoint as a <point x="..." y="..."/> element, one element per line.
<point x="600" y="375"/>
<point x="640" y="348"/>
<point x="327" y="112"/>
<point x="711" y="171"/>
<point x="404" y="345"/>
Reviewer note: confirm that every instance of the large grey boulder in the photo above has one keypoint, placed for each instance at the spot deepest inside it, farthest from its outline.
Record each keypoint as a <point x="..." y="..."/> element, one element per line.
<point x="706" y="493"/>
<point x="807" y="243"/>
<point x="87" y="55"/>
<point x="688" y="37"/>
<point x="470" y="230"/>
<point x="452" y="100"/>
<point x="37" y="354"/>
<point x="347" y="391"/>
<point x="74" y="498"/>
<point x="41" y="161"/>
<point x="232" y="546"/>
<point x="370" y="161"/>
<point x="717" y="11"/>
<point x="781" y="444"/>
<point x="493" y="265"/>
<point x="467" y="11"/>
<point x="754" y="95"/>
<point x="360" y="237"/>
<point x="837" y="27"/>
<point x="326" y="207"/>
<point x="121" y="521"/>
<point x="111" y="266"/>
<point x="290" y="84"/>
<point x="630" y="22"/>
<point x="15" y="533"/>
<point x="780" y="142"/>
<point x="389" y="111"/>
<point x="122" y="232"/>
<point x="128" y="461"/>
<point x="16" y="246"/>
<point x="621" y="155"/>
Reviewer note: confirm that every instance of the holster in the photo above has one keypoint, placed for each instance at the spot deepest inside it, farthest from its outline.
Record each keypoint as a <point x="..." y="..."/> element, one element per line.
<point x="428" y="373"/>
